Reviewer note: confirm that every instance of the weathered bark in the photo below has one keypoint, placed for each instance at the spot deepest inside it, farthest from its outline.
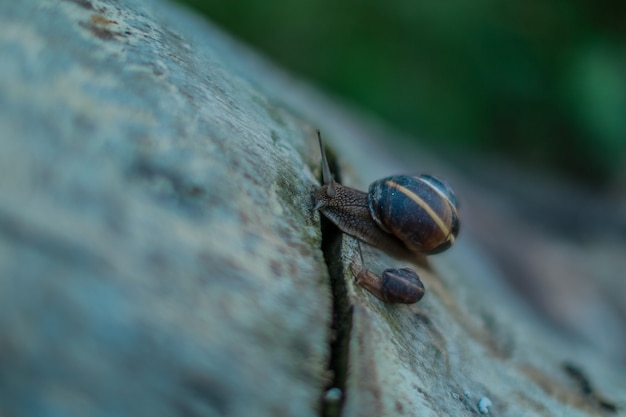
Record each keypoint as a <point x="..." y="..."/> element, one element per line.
<point x="159" y="252"/>
<point x="158" y="249"/>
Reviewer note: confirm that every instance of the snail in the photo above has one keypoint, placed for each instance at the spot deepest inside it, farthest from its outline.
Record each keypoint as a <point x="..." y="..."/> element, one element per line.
<point x="406" y="216"/>
<point x="395" y="285"/>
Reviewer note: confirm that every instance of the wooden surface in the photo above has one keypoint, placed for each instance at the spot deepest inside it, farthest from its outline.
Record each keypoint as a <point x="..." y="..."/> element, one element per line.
<point x="159" y="252"/>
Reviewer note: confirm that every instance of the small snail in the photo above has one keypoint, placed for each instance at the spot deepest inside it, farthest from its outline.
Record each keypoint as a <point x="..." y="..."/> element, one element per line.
<point x="395" y="285"/>
<point x="402" y="215"/>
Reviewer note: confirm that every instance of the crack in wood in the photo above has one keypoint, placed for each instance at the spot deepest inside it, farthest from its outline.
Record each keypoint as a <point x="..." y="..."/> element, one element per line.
<point x="333" y="397"/>
<point x="341" y="326"/>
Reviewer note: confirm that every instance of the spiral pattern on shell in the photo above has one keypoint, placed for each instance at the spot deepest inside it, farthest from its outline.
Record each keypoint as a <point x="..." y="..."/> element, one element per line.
<point x="420" y="211"/>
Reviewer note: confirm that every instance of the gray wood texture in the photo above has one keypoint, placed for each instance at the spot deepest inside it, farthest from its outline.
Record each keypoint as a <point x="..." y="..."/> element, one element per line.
<point x="159" y="252"/>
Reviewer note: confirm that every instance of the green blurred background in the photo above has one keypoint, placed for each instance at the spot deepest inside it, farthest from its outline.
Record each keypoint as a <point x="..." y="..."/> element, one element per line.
<point x="542" y="82"/>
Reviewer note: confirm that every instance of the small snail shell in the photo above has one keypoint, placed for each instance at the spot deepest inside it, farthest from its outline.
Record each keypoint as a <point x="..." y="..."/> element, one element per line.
<point x="395" y="285"/>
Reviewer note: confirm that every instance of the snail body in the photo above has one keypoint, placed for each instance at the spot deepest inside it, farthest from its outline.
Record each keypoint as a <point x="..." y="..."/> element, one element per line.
<point x="403" y="215"/>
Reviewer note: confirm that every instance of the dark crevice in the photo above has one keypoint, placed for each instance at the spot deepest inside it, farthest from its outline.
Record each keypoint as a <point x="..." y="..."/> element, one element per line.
<point x="334" y="394"/>
<point x="587" y="389"/>
<point x="341" y="326"/>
